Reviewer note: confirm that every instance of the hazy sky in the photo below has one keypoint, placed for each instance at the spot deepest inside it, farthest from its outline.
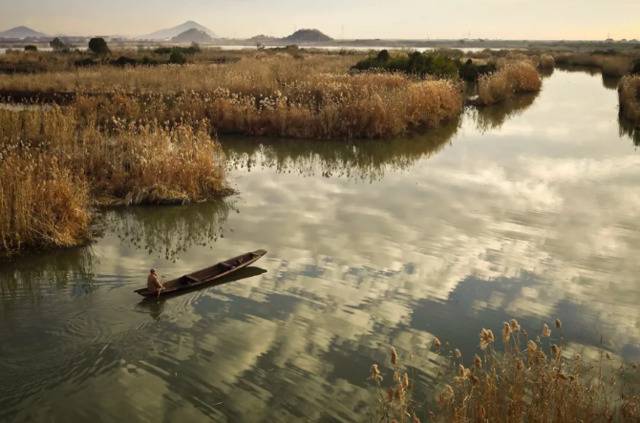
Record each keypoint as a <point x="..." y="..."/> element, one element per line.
<point x="515" y="19"/>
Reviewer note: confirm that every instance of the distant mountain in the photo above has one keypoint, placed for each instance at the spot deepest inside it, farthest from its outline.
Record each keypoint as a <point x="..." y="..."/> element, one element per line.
<point x="307" y="36"/>
<point x="21" y="32"/>
<point x="169" y="33"/>
<point x="192" y="36"/>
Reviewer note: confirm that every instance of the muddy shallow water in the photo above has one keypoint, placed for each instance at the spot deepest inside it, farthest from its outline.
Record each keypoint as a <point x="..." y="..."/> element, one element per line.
<point x="527" y="210"/>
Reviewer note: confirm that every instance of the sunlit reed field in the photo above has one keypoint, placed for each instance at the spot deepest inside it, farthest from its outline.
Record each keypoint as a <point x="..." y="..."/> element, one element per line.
<point x="509" y="80"/>
<point x="629" y="94"/>
<point x="55" y="166"/>
<point x="530" y="378"/>
<point x="273" y="95"/>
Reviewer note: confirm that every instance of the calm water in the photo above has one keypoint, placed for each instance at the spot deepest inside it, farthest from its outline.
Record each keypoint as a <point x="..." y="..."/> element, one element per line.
<point x="528" y="211"/>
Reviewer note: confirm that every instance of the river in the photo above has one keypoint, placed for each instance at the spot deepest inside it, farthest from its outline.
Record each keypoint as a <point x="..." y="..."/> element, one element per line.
<point x="526" y="210"/>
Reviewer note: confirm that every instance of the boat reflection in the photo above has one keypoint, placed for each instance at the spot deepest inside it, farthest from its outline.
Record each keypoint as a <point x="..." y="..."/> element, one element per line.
<point x="155" y="306"/>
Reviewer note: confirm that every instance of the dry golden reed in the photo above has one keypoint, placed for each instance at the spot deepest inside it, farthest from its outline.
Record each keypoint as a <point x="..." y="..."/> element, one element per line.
<point x="42" y="203"/>
<point x="528" y="381"/>
<point x="629" y="97"/>
<point x="54" y="166"/>
<point x="272" y="96"/>
<point x="610" y="65"/>
<point x="510" y="79"/>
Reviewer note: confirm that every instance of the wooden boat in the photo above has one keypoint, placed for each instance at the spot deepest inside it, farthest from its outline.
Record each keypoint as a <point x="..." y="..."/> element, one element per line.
<point x="206" y="276"/>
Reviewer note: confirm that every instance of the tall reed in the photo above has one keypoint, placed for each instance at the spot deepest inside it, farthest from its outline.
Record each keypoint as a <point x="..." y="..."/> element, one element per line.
<point x="42" y="203"/>
<point x="629" y="98"/>
<point x="510" y="79"/>
<point x="531" y="379"/>
<point x="274" y="96"/>
<point x="55" y="165"/>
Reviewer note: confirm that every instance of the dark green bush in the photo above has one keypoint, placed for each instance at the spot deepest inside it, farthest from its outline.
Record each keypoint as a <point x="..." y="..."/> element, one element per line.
<point x="58" y="45"/>
<point x="30" y="48"/>
<point x="124" y="61"/>
<point x="416" y="63"/>
<point x="469" y="71"/>
<point x="177" y="58"/>
<point x="383" y="56"/>
<point x="86" y="62"/>
<point x="192" y="49"/>
<point x="98" y="46"/>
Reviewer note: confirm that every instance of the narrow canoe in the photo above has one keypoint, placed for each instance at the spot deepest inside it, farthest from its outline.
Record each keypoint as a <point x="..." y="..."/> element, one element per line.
<point x="205" y="276"/>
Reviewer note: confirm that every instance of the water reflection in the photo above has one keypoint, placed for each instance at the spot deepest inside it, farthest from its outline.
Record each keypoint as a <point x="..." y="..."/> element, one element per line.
<point x="493" y="117"/>
<point x="24" y="275"/>
<point x="610" y="82"/>
<point x="364" y="160"/>
<point x="170" y="231"/>
<point x="630" y="130"/>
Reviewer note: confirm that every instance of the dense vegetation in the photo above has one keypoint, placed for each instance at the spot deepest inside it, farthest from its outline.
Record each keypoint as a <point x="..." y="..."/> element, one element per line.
<point x="56" y="163"/>
<point x="272" y="95"/>
<point x="629" y="95"/>
<point x="435" y="64"/>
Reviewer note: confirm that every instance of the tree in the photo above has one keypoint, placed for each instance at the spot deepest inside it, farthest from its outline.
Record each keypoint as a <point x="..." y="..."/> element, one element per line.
<point x="58" y="45"/>
<point x="99" y="46"/>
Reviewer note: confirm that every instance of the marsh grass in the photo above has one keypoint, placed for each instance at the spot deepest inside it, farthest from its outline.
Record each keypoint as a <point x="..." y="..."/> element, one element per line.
<point x="629" y="98"/>
<point x="610" y="65"/>
<point x="55" y="166"/>
<point x="275" y="95"/>
<point x="531" y="379"/>
<point x="511" y="78"/>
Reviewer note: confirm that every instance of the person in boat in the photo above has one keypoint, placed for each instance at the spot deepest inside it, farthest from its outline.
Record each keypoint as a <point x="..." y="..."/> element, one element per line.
<point x="153" y="282"/>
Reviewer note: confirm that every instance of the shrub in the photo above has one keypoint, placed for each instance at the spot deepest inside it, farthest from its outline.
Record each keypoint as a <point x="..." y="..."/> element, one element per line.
<point x="177" y="58"/>
<point x="85" y="62"/>
<point x="58" y="45"/>
<point x="124" y="61"/>
<point x="193" y="49"/>
<point x="471" y="71"/>
<point x="30" y="47"/>
<point x="547" y="61"/>
<point x="416" y="63"/>
<point x="383" y="56"/>
<point x="98" y="46"/>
